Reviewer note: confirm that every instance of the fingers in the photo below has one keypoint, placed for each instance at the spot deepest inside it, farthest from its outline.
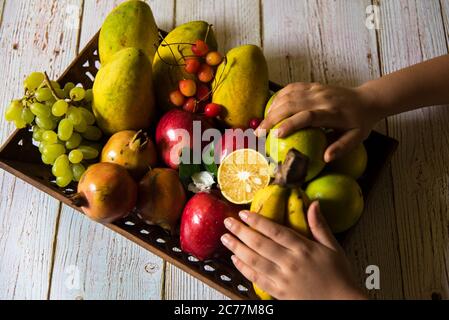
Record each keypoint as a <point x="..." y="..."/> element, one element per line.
<point x="255" y="240"/>
<point x="275" y="116"/>
<point x="288" y="101"/>
<point x="250" y="257"/>
<point x="304" y="119"/>
<point x="320" y="229"/>
<point x="262" y="281"/>
<point x="345" y="143"/>
<point x="290" y="88"/>
<point x="282" y="235"/>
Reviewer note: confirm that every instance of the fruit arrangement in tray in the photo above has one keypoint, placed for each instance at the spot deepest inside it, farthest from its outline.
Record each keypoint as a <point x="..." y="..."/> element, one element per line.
<point x="166" y="135"/>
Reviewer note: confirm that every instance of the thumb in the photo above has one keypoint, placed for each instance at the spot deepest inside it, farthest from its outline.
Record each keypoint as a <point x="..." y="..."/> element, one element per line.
<point x="345" y="143"/>
<point x="319" y="227"/>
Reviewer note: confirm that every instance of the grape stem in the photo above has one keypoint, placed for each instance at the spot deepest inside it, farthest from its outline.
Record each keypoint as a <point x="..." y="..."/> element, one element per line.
<point x="48" y="82"/>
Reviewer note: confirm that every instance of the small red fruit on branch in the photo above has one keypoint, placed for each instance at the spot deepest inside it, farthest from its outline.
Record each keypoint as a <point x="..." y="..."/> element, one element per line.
<point x="202" y="92"/>
<point x="212" y="110"/>
<point x="190" y="105"/>
<point x="177" y="98"/>
<point x="214" y="58"/>
<point x="200" y="48"/>
<point x="187" y="87"/>
<point x="254" y="123"/>
<point x="205" y="73"/>
<point x="192" y="65"/>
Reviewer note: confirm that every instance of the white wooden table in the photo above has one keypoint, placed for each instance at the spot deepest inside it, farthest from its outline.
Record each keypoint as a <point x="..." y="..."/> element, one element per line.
<point x="48" y="251"/>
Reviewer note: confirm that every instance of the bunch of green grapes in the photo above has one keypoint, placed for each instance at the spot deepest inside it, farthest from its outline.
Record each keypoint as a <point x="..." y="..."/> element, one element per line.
<point x="62" y="122"/>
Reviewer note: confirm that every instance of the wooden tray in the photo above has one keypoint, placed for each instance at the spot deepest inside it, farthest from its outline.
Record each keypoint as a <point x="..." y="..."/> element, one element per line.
<point x="21" y="158"/>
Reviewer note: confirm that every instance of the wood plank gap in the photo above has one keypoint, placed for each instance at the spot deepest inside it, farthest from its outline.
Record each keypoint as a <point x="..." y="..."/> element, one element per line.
<point x="80" y="25"/>
<point x="261" y="30"/>
<point x="163" y="284"/>
<point x="53" y="250"/>
<point x="390" y="172"/>
<point x="445" y="27"/>
<point x="174" y="19"/>
<point x="2" y="9"/>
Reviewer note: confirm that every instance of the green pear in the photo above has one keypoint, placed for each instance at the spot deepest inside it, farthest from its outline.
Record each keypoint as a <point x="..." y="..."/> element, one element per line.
<point x="123" y="92"/>
<point x="131" y="24"/>
<point x="241" y="86"/>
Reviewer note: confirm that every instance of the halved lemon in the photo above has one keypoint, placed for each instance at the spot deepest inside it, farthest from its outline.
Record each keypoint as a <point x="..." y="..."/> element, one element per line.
<point x="241" y="174"/>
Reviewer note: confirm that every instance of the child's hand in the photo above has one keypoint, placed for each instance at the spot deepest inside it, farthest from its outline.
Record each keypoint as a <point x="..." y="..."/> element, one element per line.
<point x="304" y="105"/>
<point x="287" y="265"/>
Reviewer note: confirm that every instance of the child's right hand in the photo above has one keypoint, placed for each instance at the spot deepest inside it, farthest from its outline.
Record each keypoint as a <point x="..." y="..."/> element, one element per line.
<point x="302" y="105"/>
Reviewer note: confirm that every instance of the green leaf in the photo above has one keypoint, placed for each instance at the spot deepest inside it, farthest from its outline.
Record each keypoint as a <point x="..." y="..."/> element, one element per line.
<point x="186" y="170"/>
<point x="209" y="159"/>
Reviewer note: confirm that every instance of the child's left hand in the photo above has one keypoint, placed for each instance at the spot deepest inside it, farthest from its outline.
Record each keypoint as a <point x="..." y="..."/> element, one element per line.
<point x="287" y="265"/>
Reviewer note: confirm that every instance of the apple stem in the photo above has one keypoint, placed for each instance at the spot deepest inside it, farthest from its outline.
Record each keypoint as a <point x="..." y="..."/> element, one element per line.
<point x="293" y="171"/>
<point x="79" y="200"/>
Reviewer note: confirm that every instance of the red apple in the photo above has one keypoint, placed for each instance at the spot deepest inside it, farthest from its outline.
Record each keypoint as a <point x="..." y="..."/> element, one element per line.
<point x="175" y="132"/>
<point x="234" y="139"/>
<point x="202" y="224"/>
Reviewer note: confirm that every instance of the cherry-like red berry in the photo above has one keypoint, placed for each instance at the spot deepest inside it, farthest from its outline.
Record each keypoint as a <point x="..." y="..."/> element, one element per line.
<point x="177" y="98"/>
<point x="212" y="110"/>
<point x="205" y="73"/>
<point x="214" y="58"/>
<point x="190" y="105"/>
<point x="202" y="92"/>
<point x="254" y="123"/>
<point x="192" y="65"/>
<point x="187" y="87"/>
<point x="200" y="48"/>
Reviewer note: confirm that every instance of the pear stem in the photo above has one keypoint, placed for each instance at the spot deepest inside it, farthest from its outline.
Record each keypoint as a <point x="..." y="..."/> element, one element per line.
<point x="293" y="171"/>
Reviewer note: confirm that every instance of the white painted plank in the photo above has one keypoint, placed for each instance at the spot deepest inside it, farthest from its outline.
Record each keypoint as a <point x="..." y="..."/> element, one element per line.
<point x="109" y="266"/>
<point x="327" y="42"/>
<point x="412" y="31"/>
<point x="235" y="22"/>
<point x="33" y="37"/>
<point x="93" y="262"/>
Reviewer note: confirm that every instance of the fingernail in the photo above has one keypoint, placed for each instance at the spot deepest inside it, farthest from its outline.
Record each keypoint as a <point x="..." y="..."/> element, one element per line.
<point x="226" y="239"/>
<point x="318" y="210"/>
<point x="260" y="130"/>
<point x="234" y="259"/>
<point x="229" y="223"/>
<point x="244" y="215"/>
<point x="275" y="133"/>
